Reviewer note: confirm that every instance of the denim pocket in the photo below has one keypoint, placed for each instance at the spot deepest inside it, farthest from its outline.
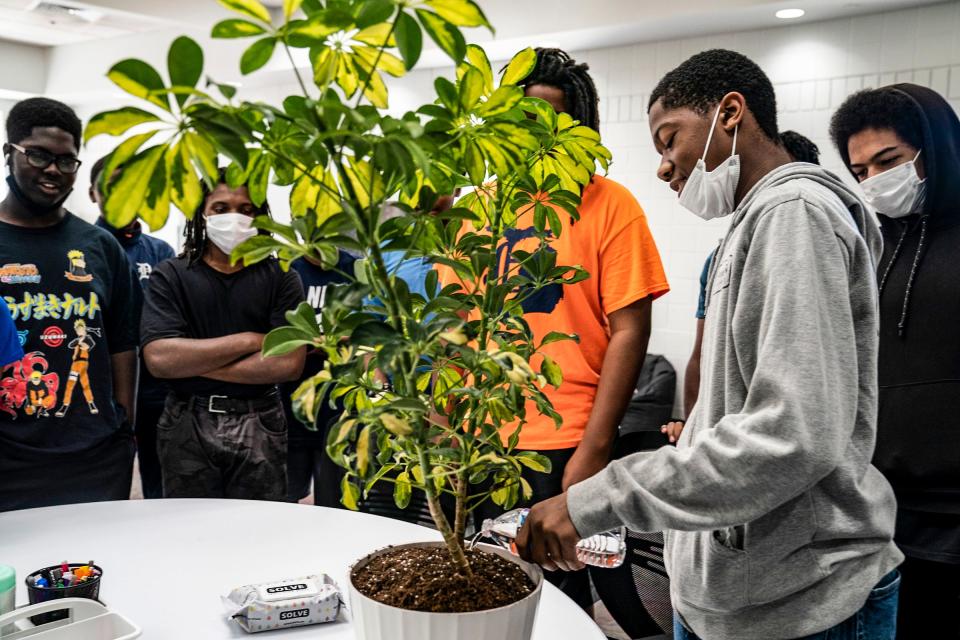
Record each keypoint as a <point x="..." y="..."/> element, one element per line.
<point x="878" y="617"/>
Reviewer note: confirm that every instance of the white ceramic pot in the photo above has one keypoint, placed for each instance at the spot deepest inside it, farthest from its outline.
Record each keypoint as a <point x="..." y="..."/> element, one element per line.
<point x="374" y="620"/>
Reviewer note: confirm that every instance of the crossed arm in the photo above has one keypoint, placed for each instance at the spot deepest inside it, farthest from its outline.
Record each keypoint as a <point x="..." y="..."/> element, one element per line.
<point x="233" y="358"/>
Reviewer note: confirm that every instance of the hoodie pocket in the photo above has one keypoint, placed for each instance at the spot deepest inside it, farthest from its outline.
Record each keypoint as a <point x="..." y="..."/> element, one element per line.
<point x="711" y="575"/>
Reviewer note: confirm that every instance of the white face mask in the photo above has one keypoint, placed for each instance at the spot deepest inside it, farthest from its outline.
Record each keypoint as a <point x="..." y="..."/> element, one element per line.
<point x="709" y="194"/>
<point x="229" y="230"/>
<point x="896" y="193"/>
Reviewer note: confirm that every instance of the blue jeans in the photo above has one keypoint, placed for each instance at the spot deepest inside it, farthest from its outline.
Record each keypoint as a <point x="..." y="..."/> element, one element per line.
<point x="877" y="620"/>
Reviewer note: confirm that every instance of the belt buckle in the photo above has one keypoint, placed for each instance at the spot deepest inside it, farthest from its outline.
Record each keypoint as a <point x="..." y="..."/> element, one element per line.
<point x="210" y="402"/>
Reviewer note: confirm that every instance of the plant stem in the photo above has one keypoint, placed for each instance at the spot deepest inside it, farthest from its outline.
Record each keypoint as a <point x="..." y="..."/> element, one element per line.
<point x="460" y="518"/>
<point x="454" y="544"/>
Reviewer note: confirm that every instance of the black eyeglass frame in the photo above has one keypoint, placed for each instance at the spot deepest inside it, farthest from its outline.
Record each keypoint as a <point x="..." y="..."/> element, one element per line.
<point x="45" y="158"/>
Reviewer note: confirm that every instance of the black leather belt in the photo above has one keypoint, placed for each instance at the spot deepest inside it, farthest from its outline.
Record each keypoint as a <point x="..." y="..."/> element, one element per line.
<point x="226" y="404"/>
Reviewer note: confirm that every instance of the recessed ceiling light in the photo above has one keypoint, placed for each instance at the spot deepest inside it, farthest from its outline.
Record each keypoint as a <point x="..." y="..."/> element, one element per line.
<point x="790" y="14"/>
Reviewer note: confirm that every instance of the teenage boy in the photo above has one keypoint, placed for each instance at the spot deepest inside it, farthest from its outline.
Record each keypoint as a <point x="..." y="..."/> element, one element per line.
<point x="776" y="524"/>
<point x="609" y="311"/>
<point x="67" y="407"/>
<point x="144" y="252"/>
<point x="903" y="144"/>
<point x="801" y="149"/>
<point x="222" y="433"/>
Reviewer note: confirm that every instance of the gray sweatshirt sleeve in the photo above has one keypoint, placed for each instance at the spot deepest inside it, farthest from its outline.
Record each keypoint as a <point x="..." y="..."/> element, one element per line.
<point x="793" y="335"/>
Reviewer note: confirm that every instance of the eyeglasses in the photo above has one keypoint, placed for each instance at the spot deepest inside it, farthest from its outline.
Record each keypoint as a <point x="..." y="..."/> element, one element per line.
<point x="41" y="159"/>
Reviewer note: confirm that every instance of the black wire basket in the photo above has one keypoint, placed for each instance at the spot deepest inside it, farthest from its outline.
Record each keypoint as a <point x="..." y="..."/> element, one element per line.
<point x="89" y="588"/>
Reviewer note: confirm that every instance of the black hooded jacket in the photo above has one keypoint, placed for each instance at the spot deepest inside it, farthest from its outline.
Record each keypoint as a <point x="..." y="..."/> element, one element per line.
<point x="918" y="433"/>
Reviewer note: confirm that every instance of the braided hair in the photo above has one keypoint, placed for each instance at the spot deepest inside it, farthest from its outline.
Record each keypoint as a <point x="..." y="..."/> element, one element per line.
<point x="557" y="69"/>
<point x="195" y="233"/>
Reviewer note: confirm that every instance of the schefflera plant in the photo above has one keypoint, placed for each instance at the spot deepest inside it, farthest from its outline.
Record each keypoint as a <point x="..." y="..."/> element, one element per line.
<point x="427" y="380"/>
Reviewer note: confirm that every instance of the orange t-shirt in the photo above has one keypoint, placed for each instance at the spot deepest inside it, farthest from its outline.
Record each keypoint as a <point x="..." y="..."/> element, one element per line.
<point x="612" y="242"/>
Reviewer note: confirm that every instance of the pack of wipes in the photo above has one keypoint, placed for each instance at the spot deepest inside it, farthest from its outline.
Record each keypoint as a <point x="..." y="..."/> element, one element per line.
<point x="287" y="603"/>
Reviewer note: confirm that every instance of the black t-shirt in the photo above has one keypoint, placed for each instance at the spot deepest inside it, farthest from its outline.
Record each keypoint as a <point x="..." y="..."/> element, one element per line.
<point x="75" y="300"/>
<point x="198" y="302"/>
<point x="317" y="283"/>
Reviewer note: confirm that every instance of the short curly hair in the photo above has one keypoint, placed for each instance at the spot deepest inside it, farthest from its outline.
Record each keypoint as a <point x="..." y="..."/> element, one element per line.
<point x="703" y="80"/>
<point x="556" y="68"/>
<point x="883" y="108"/>
<point x="800" y="147"/>
<point x="42" y="112"/>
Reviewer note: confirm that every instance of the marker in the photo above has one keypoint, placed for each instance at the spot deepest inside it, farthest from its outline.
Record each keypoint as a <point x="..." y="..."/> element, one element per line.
<point x="42" y="582"/>
<point x="64" y="567"/>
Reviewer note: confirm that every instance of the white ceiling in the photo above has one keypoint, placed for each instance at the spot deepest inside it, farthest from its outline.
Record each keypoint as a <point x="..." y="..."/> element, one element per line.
<point x="577" y="23"/>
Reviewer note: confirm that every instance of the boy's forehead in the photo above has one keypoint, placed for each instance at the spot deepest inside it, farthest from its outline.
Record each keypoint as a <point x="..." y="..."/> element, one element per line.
<point x="52" y="138"/>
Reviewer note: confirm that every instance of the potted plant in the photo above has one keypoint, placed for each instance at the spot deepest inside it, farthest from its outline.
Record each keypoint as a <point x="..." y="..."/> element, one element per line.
<point x="428" y="380"/>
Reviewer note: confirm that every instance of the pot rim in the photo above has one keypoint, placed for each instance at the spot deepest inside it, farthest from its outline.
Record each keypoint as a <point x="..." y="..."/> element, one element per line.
<point x="527" y="568"/>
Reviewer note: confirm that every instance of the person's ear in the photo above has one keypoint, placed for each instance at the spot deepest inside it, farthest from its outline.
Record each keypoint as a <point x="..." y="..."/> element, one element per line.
<point x="733" y="107"/>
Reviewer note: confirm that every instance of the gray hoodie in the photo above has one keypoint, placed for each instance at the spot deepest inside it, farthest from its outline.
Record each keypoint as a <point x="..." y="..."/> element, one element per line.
<point x="777" y="525"/>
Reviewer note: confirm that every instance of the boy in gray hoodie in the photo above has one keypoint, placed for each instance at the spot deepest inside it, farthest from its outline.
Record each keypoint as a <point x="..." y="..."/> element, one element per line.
<point x="777" y="526"/>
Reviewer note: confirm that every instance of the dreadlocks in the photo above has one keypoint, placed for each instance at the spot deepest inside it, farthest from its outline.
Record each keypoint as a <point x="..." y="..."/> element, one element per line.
<point x="557" y="69"/>
<point x="195" y="233"/>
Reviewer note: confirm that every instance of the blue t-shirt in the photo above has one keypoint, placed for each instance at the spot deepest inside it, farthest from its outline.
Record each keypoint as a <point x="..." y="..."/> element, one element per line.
<point x="11" y="349"/>
<point x="144" y="253"/>
<point x="702" y="303"/>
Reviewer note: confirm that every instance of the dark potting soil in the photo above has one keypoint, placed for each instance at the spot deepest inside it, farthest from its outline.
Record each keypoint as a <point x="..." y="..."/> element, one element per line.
<point x="426" y="579"/>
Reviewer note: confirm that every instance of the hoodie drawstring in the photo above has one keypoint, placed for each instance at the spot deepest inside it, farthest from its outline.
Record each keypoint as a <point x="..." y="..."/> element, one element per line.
<point x="893" y="258"/>
<point x="901" y="326"/>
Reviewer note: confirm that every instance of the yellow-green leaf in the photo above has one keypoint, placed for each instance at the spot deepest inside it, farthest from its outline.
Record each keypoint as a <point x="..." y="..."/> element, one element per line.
<point x="252" y="8"/>
<point x="361" y="175"/>
<point x="477" y="57"/>
<point x="384" y="61"/>
<point x="475" y="166"/>
<point x="139" y="79"/>
<point x="314" y="28"/>
<point x="126" y="196"/>
<point x="117" y="121"/>
<point x="185" y="190"/>
<point x="445" y="34"/>
<point x="203" y="154"/>
<point x="535" y="461"/>
<point x="551" y="371"/>
<point x="526" y="488"/>
<point x="350" y="493"/>
<point x="376" y="91"/>
<point x="520" y="67"/>
<point x="344" y="431"/>
<point x="156" y="199"/>
<point x="402" y="490"/>
<point x="396" y="426"/>
<point x="462" y="13"/>
<point x="324" y="67"/>
<point x="376" y="36"/>
<point x="418" y="475"/>
<point x="363" y="451"/>
<point x="290" y="7"/>
<point x="124" y="151"/>
<point x="236" y="28"/>
<point x="471" y="88"/>
<point x="315" y="191"/>
<point x="500" y="101"/>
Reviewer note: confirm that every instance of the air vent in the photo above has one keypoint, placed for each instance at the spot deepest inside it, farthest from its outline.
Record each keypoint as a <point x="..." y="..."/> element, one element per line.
<point x="64" y="11"/>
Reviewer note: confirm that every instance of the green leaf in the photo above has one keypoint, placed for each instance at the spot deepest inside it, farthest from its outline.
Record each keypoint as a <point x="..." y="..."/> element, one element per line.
<point x="557" y="336"/>
<point x="446" y="35"/>
<point x="551" y="371"/>
<point x="471" y="88"/>
<point x="284" y="340"/>
<point x="126" y="196"/>
<point x="350" y="493"/>
<point x="314" y="29"/>
<point x="290" y="7"/>
<point x="257" y="55"/>
<point x="520" y="67"/>
<point x="117" y="122"/>
<point x="259" y="179"/>
<point x="251" y="8"/>
<point x="474" y="162"/>
<point x="203" y="154"/>
<point x="185" y="65"/>
<point x="462" y="13"/>
<point x="477" y="57"/>
<point x="236" y="28"/>
<point x="409" y="39"/>
<point x="124" y="151"/>
<point x="402" y="490"/>
<point x="374" y="12"/>
<point x="139" y="79"/>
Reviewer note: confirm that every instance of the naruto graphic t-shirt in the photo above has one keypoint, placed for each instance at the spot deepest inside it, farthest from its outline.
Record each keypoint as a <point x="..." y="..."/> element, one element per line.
<point x="75" y="301"/>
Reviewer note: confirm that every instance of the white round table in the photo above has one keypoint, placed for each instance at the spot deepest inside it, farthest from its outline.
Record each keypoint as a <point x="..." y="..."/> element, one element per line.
<point x="167" y="562"/>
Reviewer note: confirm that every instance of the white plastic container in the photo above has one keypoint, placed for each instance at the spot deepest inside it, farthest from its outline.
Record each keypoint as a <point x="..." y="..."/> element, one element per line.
<point x="87" y="620"/>
<point x="374" y="620"/>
